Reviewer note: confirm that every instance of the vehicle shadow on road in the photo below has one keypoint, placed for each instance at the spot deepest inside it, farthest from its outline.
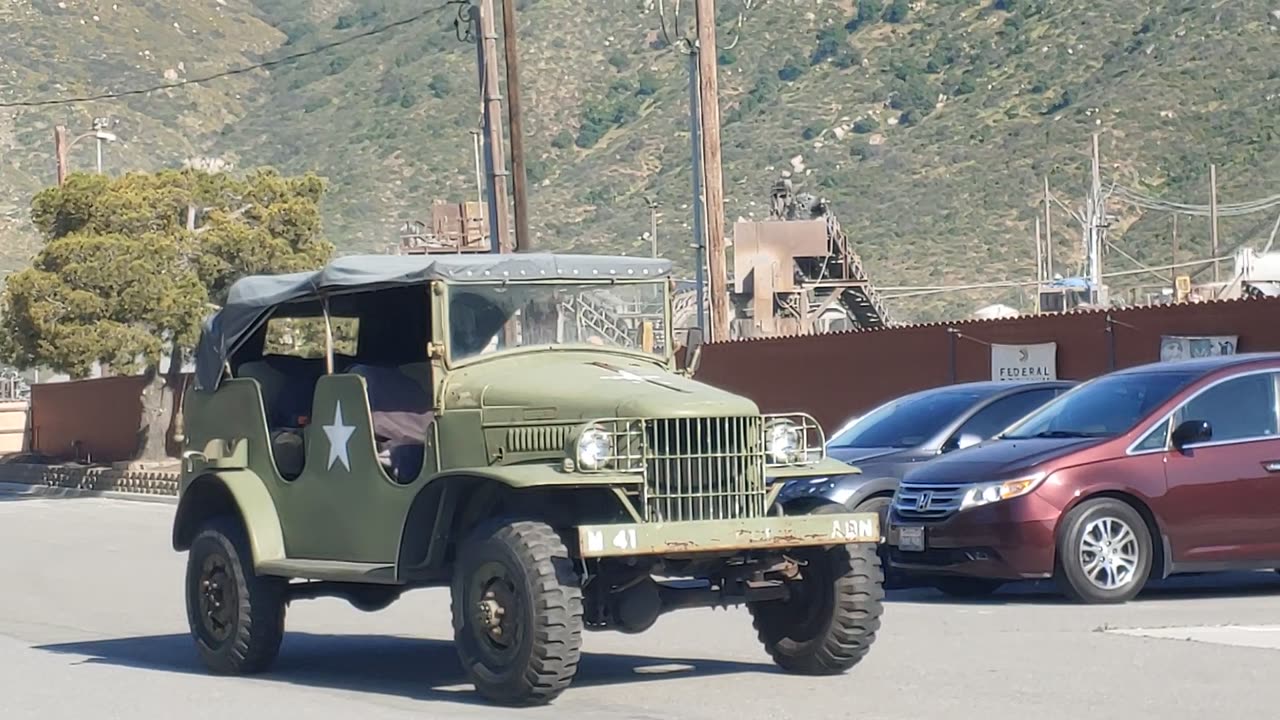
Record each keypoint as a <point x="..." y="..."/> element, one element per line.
<point x="1206" y="586"/>
<point x="422" y="669"/>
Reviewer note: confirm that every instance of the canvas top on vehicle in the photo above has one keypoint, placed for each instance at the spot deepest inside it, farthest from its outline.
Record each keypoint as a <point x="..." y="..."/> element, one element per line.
<point x="251" y="299"/>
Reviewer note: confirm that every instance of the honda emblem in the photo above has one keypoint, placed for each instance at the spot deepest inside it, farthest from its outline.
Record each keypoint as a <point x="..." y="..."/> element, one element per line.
<point x="923" y="500"/>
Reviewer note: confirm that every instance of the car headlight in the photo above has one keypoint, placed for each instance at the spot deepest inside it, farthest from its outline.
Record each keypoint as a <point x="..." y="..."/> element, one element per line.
<point x="595" y="447"/>
<point x="782" y="441"/>
<point x="987" y="493"/>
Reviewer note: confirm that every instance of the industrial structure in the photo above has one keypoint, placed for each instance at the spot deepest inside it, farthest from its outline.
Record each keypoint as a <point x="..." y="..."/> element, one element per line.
<point x="797" y="273"/>
<point x="454" y="228"/>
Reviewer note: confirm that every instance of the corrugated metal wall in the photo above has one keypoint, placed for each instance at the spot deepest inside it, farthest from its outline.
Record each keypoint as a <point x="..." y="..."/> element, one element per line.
<point x="835" y="376"/>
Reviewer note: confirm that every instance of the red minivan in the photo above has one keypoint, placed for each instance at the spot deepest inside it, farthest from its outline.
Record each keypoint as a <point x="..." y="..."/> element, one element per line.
<point x="1165" y="468"/>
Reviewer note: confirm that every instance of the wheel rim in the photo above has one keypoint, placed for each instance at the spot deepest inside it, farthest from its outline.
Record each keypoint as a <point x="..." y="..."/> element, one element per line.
<point x="1109" y="553"/>
<point x="218" y="600"/>
<point x="495" y="607"/>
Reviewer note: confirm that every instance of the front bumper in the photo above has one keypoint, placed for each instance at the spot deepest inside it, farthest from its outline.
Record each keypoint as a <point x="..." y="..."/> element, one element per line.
<point x="711" y="536"/>
<point x="1011" y="540"/>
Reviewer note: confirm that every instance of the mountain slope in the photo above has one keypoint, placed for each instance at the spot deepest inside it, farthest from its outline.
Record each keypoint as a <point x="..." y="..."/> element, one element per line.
<point x="928" y="125"/>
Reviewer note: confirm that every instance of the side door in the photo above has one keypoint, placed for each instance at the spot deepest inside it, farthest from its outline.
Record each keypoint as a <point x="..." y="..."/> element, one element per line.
<point x="998" y="415"/>
<point x="1222" y="500"/>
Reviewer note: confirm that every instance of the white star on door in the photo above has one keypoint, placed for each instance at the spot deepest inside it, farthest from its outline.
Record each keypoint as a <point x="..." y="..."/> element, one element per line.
<point x="339" y="434"/>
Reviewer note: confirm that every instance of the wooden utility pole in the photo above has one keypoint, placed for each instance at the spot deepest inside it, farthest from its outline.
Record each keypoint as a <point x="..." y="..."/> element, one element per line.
<point x="60" y="152"/>
<point x="487" y="56"/>
<point x="1039" y="265"/>
<point x="1213" y="217"/>
<point x="515" y="120"/>
<point x="1048" y="234"/>
<point x="713" y="180"/>
<point x="1173" y="256"/>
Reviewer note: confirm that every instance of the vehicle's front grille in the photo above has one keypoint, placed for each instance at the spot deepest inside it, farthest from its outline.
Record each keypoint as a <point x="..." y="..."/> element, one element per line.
<point x="920" y="501"/>
<point x="704" y="468"/>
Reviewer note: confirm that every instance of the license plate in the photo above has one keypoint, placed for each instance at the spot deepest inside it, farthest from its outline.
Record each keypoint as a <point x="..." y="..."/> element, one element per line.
<point x="911" y="539"/>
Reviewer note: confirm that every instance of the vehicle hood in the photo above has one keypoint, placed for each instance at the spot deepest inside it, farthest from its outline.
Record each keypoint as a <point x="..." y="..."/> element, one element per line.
<point x="997" y="459"/>
<point x="580" y="385"/>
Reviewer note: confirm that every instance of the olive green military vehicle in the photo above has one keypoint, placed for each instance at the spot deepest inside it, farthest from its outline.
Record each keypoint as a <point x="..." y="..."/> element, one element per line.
<point x="513" y="427"/>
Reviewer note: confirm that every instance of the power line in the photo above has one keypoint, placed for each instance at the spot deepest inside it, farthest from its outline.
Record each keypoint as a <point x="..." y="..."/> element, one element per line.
<point x="915" y="291"/>
<point x="234" y="71"/>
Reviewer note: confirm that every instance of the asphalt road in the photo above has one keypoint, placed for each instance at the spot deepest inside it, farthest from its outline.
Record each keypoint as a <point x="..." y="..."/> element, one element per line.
<point x="92" y="626"/>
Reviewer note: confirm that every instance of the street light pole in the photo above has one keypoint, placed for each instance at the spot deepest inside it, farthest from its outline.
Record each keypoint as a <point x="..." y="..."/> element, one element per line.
<point x="652" y="204"/>
<point x="61" y="147"/>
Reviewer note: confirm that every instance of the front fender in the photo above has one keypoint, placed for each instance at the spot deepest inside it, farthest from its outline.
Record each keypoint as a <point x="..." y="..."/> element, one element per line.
<point x="827" y="466"/>
<point x="224" y="491"/>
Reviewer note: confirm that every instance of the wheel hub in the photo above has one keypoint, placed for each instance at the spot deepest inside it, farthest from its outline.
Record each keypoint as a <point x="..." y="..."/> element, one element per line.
<point x="217" y="600"/>
<point x="489" y="614"/>
<point x="493" y="609"/>
<point x="1109" y="553"/>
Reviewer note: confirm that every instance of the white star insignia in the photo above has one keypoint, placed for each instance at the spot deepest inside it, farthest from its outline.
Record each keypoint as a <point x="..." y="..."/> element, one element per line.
<point x="339" y="434"/>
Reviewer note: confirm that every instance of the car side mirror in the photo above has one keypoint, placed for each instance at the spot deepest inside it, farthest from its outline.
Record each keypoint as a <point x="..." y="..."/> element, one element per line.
<point x="961" y="441"/>
<point x="692" y="349"/>
<point x="1192" y="431"/>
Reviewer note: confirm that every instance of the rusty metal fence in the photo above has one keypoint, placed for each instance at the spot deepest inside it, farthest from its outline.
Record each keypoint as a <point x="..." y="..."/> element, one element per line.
<point x="835" y="376"/>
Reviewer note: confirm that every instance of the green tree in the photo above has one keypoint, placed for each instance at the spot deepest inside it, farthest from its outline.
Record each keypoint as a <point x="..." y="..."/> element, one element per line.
<point x="130" y="266"/>
<point x="897" y="11"/>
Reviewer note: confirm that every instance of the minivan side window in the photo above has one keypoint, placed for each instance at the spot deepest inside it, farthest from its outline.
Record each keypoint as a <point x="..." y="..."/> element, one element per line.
<point x="1157" y="439"/>
<point x="1241" y="408"/>
<point x="1004" y="412"/>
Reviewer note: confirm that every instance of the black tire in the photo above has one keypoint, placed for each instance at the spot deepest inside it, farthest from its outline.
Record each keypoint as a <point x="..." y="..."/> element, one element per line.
<point x="1071" y="560"/>
<point x="236" y="617"/>
<point x="967" y="587"/>
<point x="879" y="504"/>
<point x="830" y="622"/>
<point x="534" y="655"/>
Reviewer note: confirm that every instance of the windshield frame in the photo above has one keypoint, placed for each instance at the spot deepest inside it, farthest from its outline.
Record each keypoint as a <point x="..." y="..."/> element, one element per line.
<point x="1187" y="379"/>
<point x="443" y="338"/>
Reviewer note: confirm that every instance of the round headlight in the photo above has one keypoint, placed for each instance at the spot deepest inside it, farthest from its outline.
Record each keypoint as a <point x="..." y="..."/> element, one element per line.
<point x="594" y="448"/>
<point x="782" y="441"/>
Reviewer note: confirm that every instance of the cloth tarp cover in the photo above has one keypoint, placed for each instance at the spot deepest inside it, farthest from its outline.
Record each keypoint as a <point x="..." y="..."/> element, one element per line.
<point x="250" y="300"/>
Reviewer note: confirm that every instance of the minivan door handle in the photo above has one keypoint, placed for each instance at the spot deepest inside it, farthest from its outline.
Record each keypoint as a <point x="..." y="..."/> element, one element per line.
<point x="1272" y="466"/>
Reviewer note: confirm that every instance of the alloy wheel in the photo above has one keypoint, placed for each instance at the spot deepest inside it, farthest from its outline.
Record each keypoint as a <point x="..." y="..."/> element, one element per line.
<point x="1109" y="553"/>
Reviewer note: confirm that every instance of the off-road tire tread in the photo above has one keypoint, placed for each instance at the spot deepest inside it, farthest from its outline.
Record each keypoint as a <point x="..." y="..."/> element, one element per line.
<point x="558" y="620"/>
<point x="859" y="604"/>
<point x="891" y="579"/>
<point x="260" y="630"/>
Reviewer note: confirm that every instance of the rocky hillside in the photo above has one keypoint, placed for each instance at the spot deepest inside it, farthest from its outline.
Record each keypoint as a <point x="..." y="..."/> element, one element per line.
<point x="927" y="124"/>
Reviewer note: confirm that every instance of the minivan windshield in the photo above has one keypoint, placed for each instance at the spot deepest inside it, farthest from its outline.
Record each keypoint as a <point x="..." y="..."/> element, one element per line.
<point x="1107" y="406"/>
<point x="486" y="318"/>
<point x="906" y="422"/>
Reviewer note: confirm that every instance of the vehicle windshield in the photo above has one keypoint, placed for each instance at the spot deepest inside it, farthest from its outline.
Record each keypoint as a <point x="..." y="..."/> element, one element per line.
<point x="1104" y="407"/>
<point x="487" y="318"/>
<point x="906" y="422"/>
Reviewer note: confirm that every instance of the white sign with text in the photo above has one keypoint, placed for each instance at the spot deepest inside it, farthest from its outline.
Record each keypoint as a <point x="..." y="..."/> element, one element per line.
<point x="1024" y="363"/>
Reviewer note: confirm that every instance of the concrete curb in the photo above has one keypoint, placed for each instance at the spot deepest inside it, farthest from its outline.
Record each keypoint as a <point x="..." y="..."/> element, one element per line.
<point x="48" y="491"/>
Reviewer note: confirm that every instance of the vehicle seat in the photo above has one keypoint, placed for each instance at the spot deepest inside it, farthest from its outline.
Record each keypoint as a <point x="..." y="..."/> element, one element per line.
<point x="401" y="412"/>
<point x="287" y="392"/>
